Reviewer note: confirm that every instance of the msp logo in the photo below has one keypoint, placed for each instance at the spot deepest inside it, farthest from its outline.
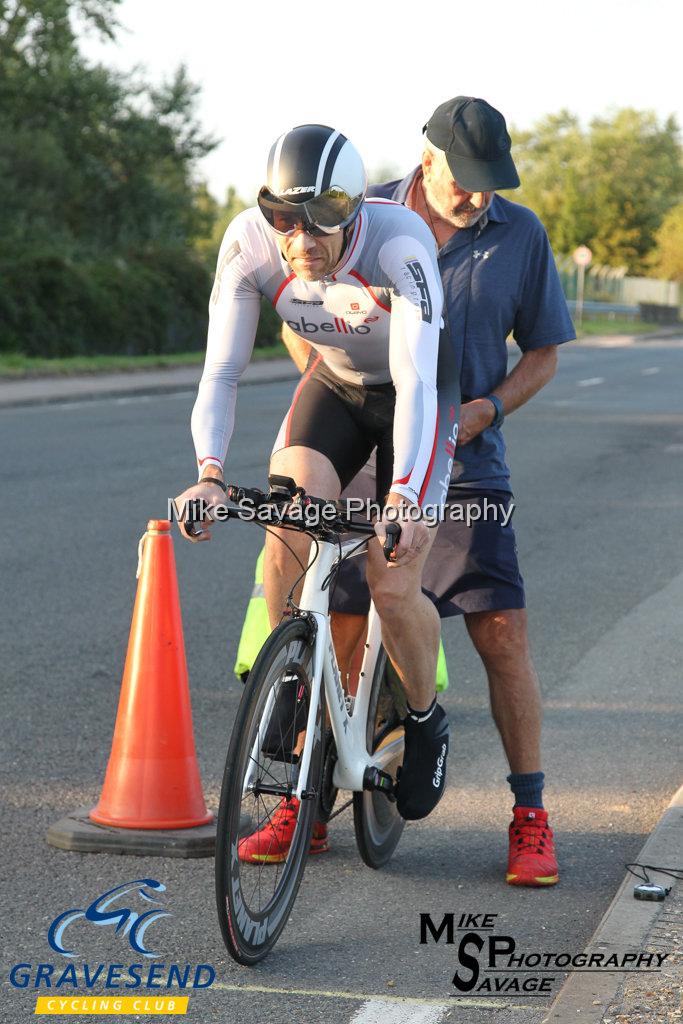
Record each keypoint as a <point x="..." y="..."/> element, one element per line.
<point x="491" y="964"/>
<point x="130" y="909"/>
<point x="126" y="920"/>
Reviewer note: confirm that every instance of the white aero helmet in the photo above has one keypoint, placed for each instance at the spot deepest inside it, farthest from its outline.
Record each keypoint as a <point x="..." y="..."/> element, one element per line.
<point x="315" y="180"/>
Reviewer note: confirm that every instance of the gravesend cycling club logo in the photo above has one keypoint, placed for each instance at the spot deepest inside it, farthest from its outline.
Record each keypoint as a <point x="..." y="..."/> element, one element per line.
<point x="491" y="964"/>
<point x="103" y="911"/>
<point x="128" y="912"/>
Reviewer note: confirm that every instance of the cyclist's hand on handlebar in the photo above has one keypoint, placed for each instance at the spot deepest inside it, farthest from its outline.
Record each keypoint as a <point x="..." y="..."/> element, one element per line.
<point x="192" y="528"/>
<point x="414" y="534"/>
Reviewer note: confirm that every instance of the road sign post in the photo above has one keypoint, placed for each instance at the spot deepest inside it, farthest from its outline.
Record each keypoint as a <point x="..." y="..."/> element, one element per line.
<point x="582" y="257"/>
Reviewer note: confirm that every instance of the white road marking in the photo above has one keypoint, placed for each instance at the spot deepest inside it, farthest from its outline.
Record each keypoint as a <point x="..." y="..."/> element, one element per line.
<point x="378" y="1011"/>
<point x="405" y="1003"/>
<point x="359" y="997"/>
<point x="650" y="371"/>
<point x="674" y="449"/>
<point x="590" y="382"/>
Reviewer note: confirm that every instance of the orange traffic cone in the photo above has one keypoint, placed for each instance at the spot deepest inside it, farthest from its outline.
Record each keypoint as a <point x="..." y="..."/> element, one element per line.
<point x="152" y="780"/>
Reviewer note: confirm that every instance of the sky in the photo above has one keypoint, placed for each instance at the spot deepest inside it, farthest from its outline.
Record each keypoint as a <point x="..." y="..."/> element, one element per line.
<point x="376" y="71"/>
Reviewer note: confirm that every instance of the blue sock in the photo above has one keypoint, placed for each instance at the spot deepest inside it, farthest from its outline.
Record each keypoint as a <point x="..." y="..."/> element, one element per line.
<point x="527" y="788"/>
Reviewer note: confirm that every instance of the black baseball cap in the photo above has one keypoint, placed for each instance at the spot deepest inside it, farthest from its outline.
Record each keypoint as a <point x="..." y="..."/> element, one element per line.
<point x="475" y="139"/>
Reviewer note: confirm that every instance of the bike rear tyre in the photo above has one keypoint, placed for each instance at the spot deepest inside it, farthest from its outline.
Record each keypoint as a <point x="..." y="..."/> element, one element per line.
<point x="377" y="823"/>
<point x="254" y="900"/>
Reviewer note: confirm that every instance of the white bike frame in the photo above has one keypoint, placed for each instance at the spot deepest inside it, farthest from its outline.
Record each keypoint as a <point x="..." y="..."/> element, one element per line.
<point x="350" y="731"/>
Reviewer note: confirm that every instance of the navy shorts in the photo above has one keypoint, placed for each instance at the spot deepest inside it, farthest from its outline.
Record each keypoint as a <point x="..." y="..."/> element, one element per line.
<point x="470" y="568"/>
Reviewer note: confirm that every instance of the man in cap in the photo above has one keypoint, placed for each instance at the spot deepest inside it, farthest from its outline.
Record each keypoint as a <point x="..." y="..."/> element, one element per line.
<point x="499" y="278"/>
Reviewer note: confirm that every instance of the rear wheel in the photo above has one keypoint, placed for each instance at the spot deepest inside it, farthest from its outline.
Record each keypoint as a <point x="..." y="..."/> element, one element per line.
<point x="377" y="823"/>
<point x="254" y="899"/>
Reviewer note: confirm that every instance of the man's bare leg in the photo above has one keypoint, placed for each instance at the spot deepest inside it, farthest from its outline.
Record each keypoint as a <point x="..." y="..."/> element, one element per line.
<point x="410" y="633"/>
<point x="410" y="623"/>
<point x="347" y="633"/>
<point x="501" y="640"/>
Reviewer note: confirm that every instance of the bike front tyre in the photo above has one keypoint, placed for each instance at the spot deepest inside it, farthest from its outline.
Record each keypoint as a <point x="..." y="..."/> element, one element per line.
<point x="254" y="899"/>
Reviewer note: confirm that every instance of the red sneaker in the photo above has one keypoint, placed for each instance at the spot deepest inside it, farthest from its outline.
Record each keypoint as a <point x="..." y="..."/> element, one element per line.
<point x="532" y="854"/>
<point x="270" y="844"/>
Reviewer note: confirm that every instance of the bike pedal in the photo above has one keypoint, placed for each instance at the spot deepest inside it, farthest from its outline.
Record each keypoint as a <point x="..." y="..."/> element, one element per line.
<point x="376" y="779"/>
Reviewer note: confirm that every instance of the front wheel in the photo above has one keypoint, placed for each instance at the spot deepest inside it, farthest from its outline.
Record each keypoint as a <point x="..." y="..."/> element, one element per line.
<point x="254" y="897"/>
<point x="377" y="823"/>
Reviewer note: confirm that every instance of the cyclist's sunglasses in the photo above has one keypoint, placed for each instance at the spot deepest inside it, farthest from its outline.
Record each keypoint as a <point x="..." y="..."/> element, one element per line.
<point x="323" y="215"/>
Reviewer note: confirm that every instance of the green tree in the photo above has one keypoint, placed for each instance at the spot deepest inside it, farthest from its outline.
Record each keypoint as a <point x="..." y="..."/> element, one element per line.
<point x="609" y="186"/>
<point x="637" y="177"/>
<point x="101" y="211"/>
<point x="666" y="259"/>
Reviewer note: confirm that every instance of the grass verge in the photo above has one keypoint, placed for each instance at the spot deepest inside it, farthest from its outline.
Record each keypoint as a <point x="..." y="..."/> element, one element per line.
<point x="13" y="365"/>
<point x="618" y="325"/>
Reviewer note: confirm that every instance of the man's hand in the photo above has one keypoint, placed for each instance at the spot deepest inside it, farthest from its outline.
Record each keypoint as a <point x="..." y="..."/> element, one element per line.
<point x="474" y="417"/>
<point x="204" y="491"/>
<point x="414" y="534"/>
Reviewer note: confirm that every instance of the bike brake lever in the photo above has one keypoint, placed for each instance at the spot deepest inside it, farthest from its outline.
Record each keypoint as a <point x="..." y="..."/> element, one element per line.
<point x="393" y="533"/>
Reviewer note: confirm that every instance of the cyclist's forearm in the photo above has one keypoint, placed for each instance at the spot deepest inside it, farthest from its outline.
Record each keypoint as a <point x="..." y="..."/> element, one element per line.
<point x="415" y="421"/>
<point x="232" y="329"/>
<point x="212" y="423"/>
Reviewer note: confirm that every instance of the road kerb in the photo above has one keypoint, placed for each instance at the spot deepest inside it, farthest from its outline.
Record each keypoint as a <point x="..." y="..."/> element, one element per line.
<point x="135" y="384"/>
<point x="624" y="927"/>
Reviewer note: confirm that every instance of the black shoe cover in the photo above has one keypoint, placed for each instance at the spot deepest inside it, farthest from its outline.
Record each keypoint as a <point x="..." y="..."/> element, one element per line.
<point x="287" y="718"/>
<point x="422" y="778"/>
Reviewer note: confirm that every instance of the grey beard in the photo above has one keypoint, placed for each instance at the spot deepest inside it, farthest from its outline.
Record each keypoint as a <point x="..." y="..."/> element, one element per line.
<point x="467" y="220"/>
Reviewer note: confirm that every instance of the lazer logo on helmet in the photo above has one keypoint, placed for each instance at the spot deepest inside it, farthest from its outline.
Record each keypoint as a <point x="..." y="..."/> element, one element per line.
<point x="339" y="326"/>
<point x="298" y="190"/>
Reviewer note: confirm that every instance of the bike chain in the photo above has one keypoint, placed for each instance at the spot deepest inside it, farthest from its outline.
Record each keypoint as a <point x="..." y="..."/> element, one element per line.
<point x="342" y="808"/>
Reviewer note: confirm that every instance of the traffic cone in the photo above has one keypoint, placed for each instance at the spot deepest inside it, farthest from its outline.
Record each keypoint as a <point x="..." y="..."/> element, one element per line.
<point x="152" y="791"/>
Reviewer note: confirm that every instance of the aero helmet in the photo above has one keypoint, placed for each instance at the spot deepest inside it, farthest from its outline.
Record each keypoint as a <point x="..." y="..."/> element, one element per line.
<point x="315" y="180"/>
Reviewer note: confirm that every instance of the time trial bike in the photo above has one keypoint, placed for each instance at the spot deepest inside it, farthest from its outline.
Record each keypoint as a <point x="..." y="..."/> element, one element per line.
<point x="300" y="737"/>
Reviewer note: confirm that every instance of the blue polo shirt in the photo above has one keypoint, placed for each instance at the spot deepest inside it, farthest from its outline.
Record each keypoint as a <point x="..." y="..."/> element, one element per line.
<point x="499" y="278"/>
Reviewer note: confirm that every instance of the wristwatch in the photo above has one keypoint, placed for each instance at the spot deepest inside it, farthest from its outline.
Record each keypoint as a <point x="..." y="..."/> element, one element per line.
<point x="498" y="406"/>
<point x="214" y="480"/>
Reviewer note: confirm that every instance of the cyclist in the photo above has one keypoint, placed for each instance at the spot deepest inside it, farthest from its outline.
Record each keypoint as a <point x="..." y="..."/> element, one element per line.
<point x="359" y="280"/>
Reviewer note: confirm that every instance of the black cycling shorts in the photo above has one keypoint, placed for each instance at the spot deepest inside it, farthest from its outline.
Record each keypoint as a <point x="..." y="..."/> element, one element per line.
<point x="345" y="422"/>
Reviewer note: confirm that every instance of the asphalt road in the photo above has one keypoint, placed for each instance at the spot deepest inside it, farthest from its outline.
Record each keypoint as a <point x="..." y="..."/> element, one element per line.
<point x="597" y="464"/>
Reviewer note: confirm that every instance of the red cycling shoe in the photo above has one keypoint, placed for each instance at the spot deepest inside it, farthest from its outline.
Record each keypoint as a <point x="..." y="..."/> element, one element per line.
<point x="270" y="844"/>
<point x="532" y="854"/>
